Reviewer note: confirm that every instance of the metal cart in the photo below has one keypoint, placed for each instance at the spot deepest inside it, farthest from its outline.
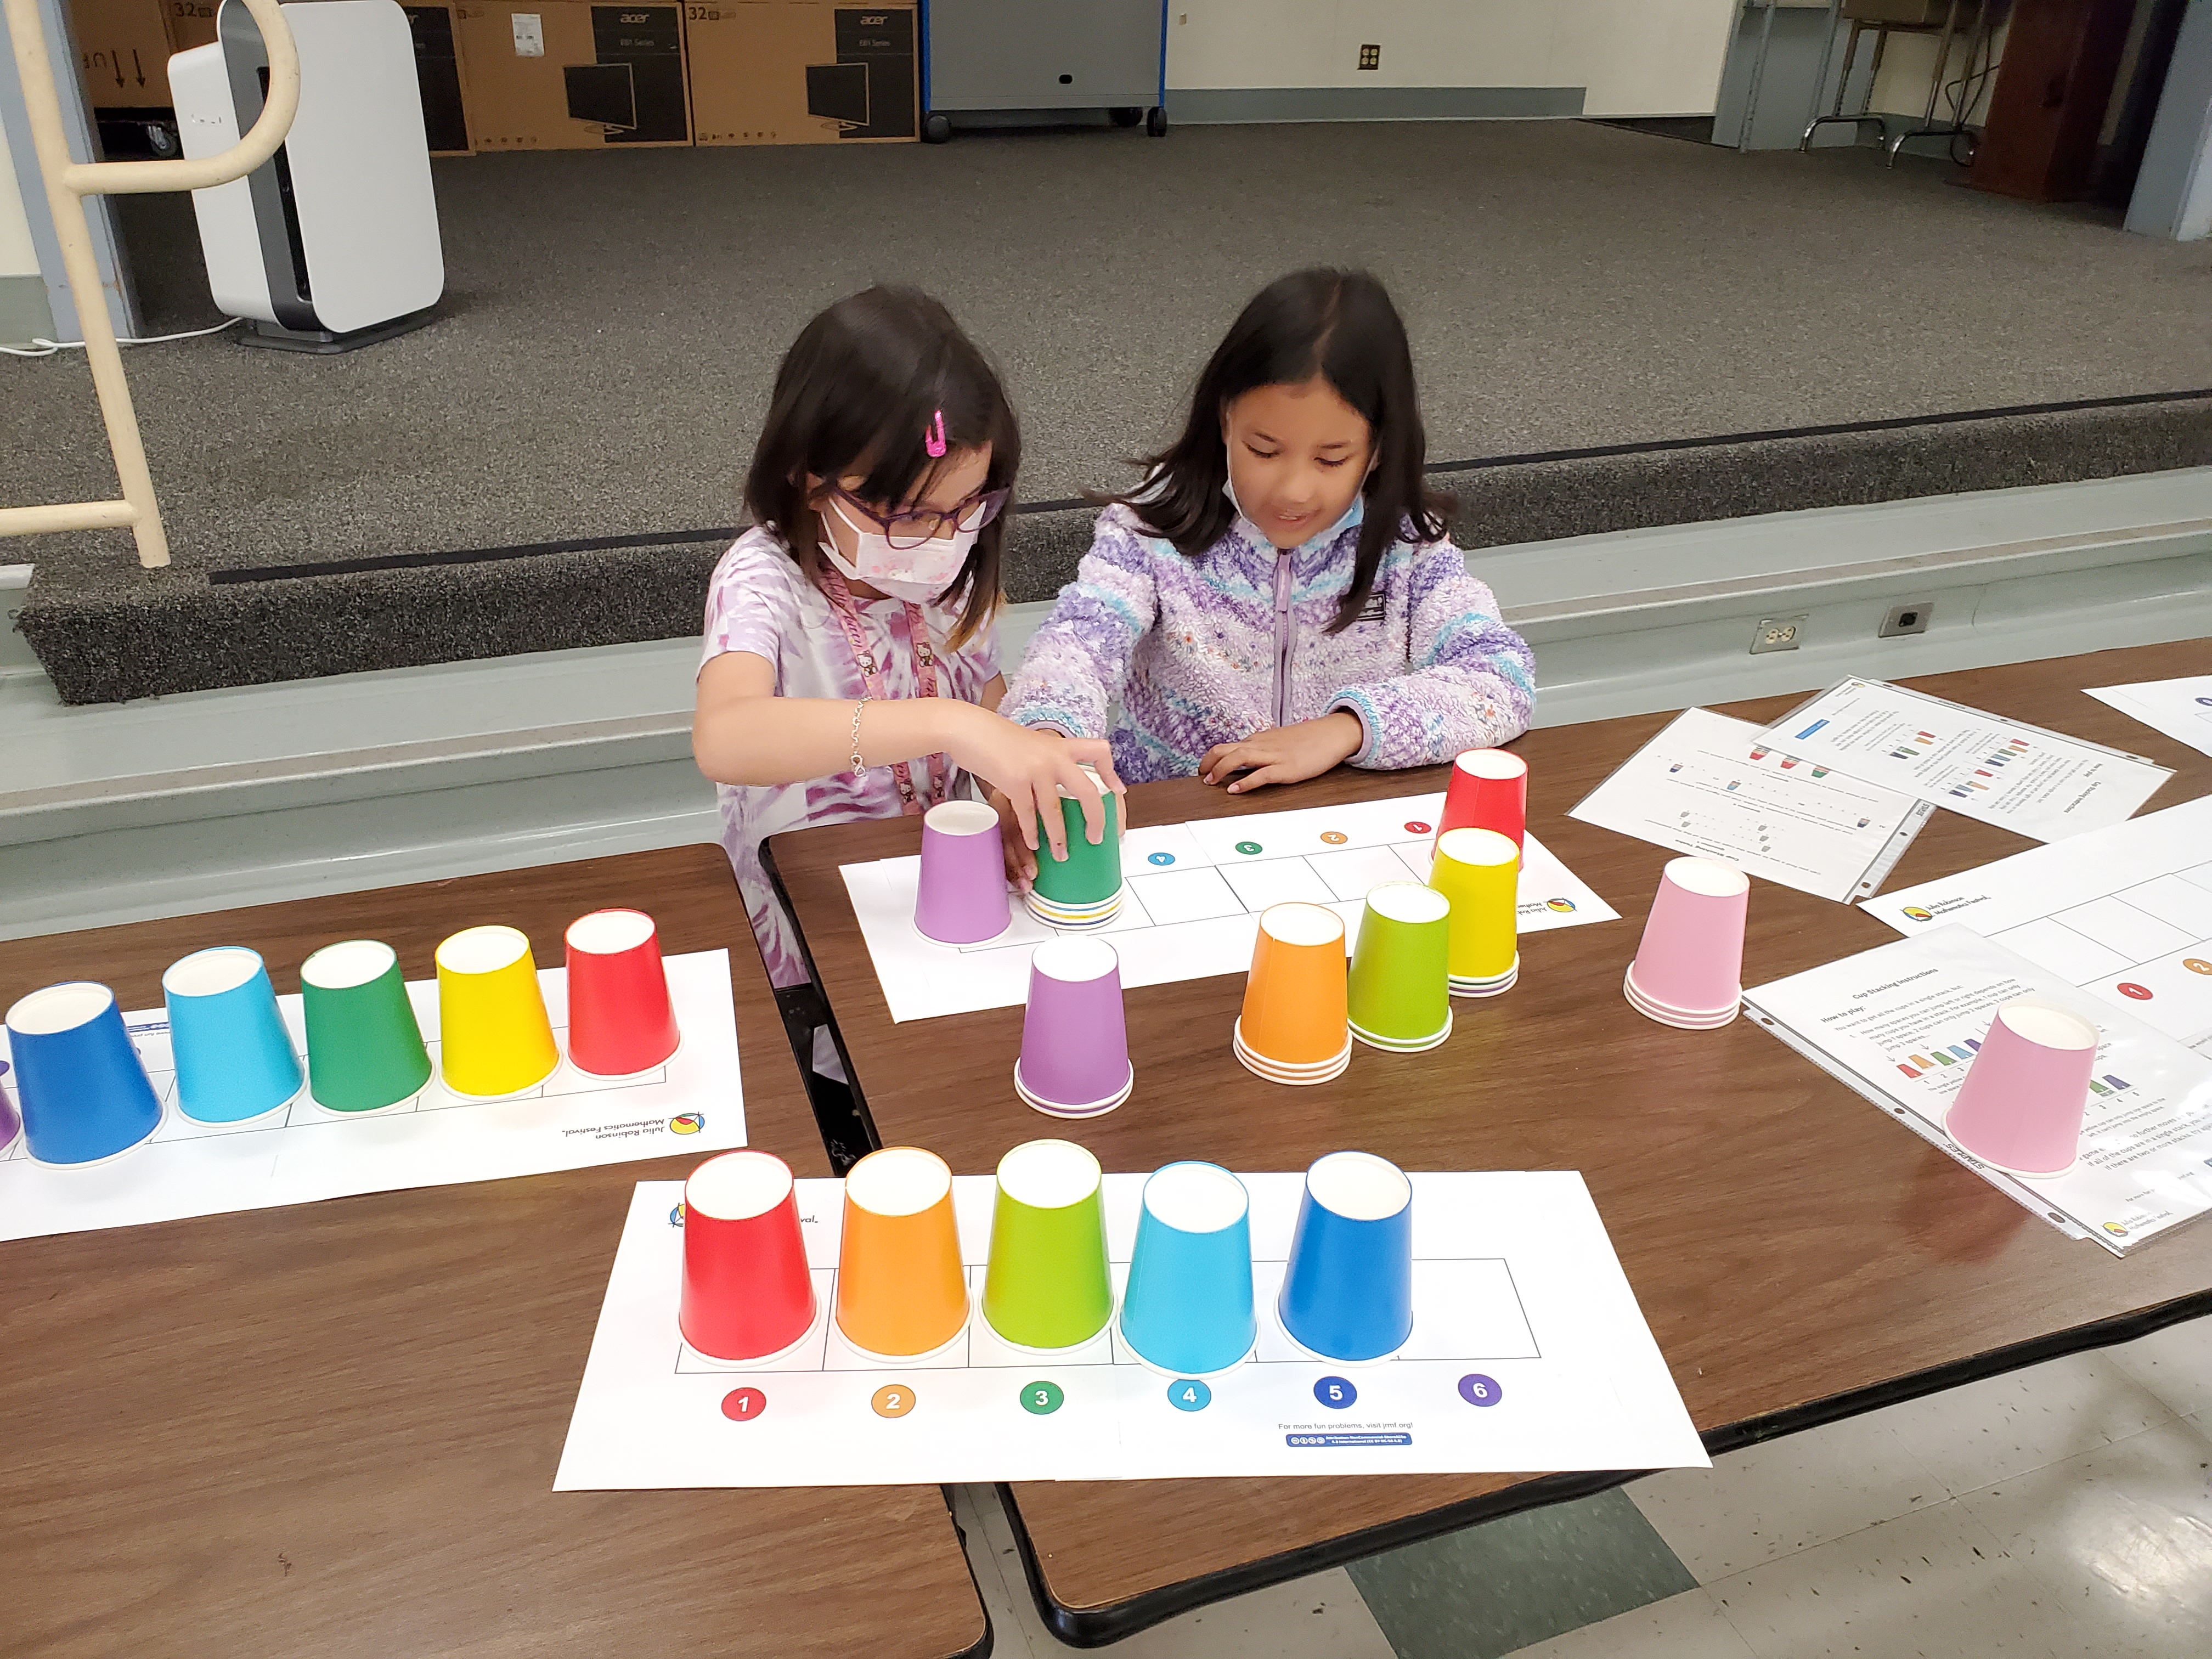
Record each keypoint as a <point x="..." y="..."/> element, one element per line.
<point x="981" y="55"/>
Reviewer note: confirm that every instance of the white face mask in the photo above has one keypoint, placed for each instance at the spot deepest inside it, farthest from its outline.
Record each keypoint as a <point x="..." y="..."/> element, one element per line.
<point x="916" y="574"/>
<point x="1356" y="514"/>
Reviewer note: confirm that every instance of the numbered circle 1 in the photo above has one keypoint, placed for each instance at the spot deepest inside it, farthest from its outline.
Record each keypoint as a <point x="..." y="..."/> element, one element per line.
<point x="1189" y="1394"/>
<point x="1335" y="1392"/>
<point x="894" y="1400"/>
<point x="1416" y="827"/>
<point x="1480" y="1390"/>
<point x="743" y="1405"/>
<point x="1041" y="1399"/>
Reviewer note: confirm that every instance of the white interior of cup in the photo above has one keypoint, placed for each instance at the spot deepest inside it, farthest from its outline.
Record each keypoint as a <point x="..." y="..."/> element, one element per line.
<point x="1709" y="877"/>
<point x="342" y="967"/>
<point x="1090" y="772"/>
<point x="1073" y="959"/>
<point x="736" y="1186"/>
<point x="1048" y="1174"/>
<point x="1491" y="763"/>
<point x="1360" y="1186"/>
<point x="210" y="973"/>
<point x="483" y="949"/>
<point x="1302" y="924"/>
<point x="1408" y="901"/>
<point x="59" y="1008"/>
<point x="960" y="817"/>
<point x="898" y="1180"/>
<point x="1196" y="1198"/>
<point x="1476" y="847"/>
<point x="608" y="933"/>
<point x="2048" y="1027"/>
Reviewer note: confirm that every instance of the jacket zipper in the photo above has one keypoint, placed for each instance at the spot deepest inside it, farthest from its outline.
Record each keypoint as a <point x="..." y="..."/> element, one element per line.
<point x="1282" y="700"/>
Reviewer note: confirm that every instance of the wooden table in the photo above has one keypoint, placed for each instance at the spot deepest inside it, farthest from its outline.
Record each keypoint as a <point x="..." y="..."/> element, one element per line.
<point x="1799" y="1257"/>
<point x="330" y="1429"/>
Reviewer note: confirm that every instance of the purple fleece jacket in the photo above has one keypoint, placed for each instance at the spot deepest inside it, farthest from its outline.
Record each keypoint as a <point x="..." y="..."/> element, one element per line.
<point x="1225" y="646"/>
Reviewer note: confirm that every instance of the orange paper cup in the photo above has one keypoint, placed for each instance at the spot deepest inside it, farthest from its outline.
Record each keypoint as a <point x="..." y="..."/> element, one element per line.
<point x="901" y="1292"/>
<point x="1294" y="1001"/>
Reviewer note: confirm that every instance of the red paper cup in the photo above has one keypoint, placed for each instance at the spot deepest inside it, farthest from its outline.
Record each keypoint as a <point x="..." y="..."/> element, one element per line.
<point x="1489" y="790"/>
<point x="2021" y="1104"/>
<point x="619" y="1020"/>
<point x="1688" y="970"/>
<point x="747" y="1293"/>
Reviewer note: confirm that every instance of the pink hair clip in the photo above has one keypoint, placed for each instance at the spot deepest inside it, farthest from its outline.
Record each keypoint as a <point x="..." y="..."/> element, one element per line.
<point x="932" y="437"/>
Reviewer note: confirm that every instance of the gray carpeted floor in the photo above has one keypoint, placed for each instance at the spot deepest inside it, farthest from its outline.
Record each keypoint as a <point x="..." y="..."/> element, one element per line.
<point x="613" y="319"/>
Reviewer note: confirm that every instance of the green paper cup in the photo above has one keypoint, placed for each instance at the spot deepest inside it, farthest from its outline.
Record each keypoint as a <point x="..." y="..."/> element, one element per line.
<point x="1088" y="876"/>
<point x="1399" y="996"/>
<point x="364" y="1049"/>
<point x="1046" y="1286"/>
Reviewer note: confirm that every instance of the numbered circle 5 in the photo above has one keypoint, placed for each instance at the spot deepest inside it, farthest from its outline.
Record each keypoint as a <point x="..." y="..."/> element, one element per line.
<point x="1480" y="1390"/>
<point x="743" y="1405"/>
<point x="896" y="1400"/>
<point x="1041" y="1399"/>
<point x="1335" y="1392"/>
<point x="1189" y="1394"/>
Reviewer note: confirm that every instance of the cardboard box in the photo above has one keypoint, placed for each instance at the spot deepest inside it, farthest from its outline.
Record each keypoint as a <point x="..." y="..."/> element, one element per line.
<point x="801" y="72"/>
<point x="441" y="74"/>
<point x="192" y="23"/>
<point x="565" y="75"/>
<point x="123" y="50"/>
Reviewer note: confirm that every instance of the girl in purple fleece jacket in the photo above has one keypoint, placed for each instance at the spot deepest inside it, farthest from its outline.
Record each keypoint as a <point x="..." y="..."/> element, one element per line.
<point x="1278" y="596"/>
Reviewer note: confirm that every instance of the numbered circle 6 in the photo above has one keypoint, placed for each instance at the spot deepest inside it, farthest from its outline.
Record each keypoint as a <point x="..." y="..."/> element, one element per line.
<point x="1189" y="1394"/>
<point x="1335" y="1392"/>
<point x="896" y="1400"/>
<point x="743" y="1405"/>
<point x="1480" y="1390"/>
<point x="1041" y="1399"/>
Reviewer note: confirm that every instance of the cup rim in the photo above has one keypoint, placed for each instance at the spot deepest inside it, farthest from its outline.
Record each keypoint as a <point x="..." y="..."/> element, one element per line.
<point x="822" y="1314"/>
<point x="197" y="963"/>
<point x="2008" y="1168"/>
<point x="621" y="921"/>
<point x="893" y="1361"/>
<point x="1248" y="1356"/>
<point x="1092" y="1109"/>
<point x="77" y="987"/>
<point x="1515" y="767"/>
<point x="1237" y="1036"/>
<point x="1401" y="1046"/>
<point x="1659" y="1008"/>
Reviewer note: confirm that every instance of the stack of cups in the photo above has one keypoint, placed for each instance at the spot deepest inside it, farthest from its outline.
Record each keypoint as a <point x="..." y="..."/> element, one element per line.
<point x="1294" y="1027"/>
<point x="1399" y="997"/>
<point x="747" y="1294"/>
<point x="1348" y="1288"/>
<point x="901" y="1292"/>
<point x="2020" y="1105"/>
<point x="1489" y="790"/>
<point x="1688" y="970"/>
<point x="1046" y="1288"/>
<point x="1082" y="890"/>
<point x="1075" y="1043"/>
<point x="1187" y="1308"/>
<point x="232" y="1055"/>
<point x="1479" y="871"/>
<point x="620" y="1022"/>
<point x="492" y="1025"/>
<point x="86" y="1096"/>
<point x="961" y="895"/>
<point x="364" y="1047"/>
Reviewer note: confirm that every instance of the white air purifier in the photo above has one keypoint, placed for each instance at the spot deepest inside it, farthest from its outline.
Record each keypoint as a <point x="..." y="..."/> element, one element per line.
<point x="332" y="243"/>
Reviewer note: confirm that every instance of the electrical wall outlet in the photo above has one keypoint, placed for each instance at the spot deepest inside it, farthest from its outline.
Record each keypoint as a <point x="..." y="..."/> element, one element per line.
<point x="1371" y="58"/>
<point x="1777" y="634"/>
<point x="1911" y="617"/>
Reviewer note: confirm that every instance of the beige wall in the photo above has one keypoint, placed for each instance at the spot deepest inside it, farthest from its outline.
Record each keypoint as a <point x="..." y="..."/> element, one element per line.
<point x="17" y="258"/>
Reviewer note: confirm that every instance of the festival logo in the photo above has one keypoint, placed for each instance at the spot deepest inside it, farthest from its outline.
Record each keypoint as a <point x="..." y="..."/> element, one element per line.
<point x="1919" y="915"/>
<point x="1563" y="906"/>
<point x="689" y="1124"/>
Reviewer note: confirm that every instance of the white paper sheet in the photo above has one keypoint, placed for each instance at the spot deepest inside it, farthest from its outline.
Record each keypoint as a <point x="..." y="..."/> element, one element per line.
<point x="2180" y="708"/>
<point x="1528" y="1352"/>
<point x="1711" y="785"/>
<point x="2124" y="912"/>
<point x="1900" y="1024"/>
<point x="2020" y="778"/>
<point x="1192" y="901"/>
<point x="301" y="1153"/>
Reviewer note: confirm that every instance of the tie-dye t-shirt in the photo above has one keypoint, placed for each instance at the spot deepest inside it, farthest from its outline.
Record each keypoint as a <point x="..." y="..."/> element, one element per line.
<point x="761" y="601"/>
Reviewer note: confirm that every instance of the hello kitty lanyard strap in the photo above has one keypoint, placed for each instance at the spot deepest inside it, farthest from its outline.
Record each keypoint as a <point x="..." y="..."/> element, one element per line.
<point x="925" y="673"/>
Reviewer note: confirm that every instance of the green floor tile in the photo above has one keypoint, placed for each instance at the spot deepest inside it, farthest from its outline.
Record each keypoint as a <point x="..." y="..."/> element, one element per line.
<point x="1498" y="1587"/>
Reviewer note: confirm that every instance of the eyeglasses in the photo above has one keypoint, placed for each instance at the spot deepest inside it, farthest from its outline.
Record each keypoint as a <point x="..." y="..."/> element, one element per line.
<point x="909" y="529"/>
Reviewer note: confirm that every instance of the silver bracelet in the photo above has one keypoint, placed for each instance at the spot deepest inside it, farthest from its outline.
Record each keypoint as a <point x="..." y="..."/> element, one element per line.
<point x="858" y="768"/>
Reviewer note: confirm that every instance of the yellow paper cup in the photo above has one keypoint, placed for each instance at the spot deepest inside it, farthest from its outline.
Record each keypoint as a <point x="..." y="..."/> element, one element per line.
<point x="497" y="1039"/>
<point x="1480" y="872"/>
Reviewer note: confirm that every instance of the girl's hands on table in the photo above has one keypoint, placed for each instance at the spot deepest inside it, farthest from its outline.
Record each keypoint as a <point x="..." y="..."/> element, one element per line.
<point x="1286" y="754"/>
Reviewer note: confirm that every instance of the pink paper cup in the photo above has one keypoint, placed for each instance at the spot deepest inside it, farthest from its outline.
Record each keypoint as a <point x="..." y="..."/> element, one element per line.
<point x="2021" y="1104"/>
<point x="963" y="895"/>
<point x="1075" y="1046"/>
<point x="1688" y="970"/>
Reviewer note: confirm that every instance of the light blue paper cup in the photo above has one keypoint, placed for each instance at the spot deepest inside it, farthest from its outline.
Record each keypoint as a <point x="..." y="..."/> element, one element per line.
<point x="1187" y="1307"/>
<point x="1348" y="1291"/>
<point x="82" y="1090"/>
<point x="234" y="1057"/>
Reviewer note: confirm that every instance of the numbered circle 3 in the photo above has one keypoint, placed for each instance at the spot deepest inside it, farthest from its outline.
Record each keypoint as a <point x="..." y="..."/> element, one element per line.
<point x="1189" y="1394"/>
<point x="1480" y="1390"/>
<point x="1041" y="1399"/>
<point x="895" y="1400"/>
<point x="743" y="1405"/>
<point x="1335" y="1392"/>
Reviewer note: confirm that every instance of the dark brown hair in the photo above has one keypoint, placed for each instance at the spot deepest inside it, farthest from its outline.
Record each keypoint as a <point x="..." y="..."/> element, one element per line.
<point x="857" y="394"/>
<point x="1341" y="325"/>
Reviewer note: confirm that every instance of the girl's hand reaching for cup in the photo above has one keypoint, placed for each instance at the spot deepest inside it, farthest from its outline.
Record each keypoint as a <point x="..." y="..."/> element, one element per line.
<point x="1287" y="754"/>
<point x="1025" y="772"/>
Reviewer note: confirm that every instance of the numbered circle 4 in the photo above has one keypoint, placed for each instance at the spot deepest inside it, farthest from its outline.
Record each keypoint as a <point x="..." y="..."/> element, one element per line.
<point x="896" y="1400"/>
<point x="1041" y="1399"/>
<point x="1480" y="1390"/>
<point x="1163" y="859"/>
<point x="743" y="1405"/>
<point x="1335" y="1392"/>
<point x="1189" y="1394"/>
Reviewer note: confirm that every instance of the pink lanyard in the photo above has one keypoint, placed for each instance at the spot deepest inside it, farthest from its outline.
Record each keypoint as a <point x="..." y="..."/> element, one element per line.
<point x="925" y="666"/>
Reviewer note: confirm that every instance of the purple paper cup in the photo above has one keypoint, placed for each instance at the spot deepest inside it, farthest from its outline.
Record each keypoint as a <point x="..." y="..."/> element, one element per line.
<point x="1075" y="1048"/>
<point x="962" y="899"/>
<point x="1690" y="962"/>
<point x="2021" y="1104"/>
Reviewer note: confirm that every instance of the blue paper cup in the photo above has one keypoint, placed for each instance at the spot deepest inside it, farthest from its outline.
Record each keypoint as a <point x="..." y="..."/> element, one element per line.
<point x="1348" y="1291"/>
<point x="234" y="1057"/>
<point x="1187" y="1307"/>
<point x="84" y="1091"/>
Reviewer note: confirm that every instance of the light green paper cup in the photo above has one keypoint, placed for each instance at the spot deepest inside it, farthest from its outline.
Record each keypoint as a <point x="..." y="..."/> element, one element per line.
<point x="1088" y="875"/>
<point x="1046" y="1286"/>
<point x="1399" y="995"/>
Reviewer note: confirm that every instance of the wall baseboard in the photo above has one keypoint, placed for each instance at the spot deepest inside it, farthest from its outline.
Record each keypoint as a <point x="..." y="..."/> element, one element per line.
<point x="1229" y="105"/>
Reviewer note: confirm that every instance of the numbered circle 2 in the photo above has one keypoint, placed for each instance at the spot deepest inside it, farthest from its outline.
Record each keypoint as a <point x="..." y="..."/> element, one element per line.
<point x="743" y="1405"/>
<point x="1335" y="1392"/>
<point x="1335" y="837"/>
<point x="895" y="1400"/>
<point x="1480" y="1390"/>
<point x="1189" y="1394"/>
<point x="1041" y="1399"/>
